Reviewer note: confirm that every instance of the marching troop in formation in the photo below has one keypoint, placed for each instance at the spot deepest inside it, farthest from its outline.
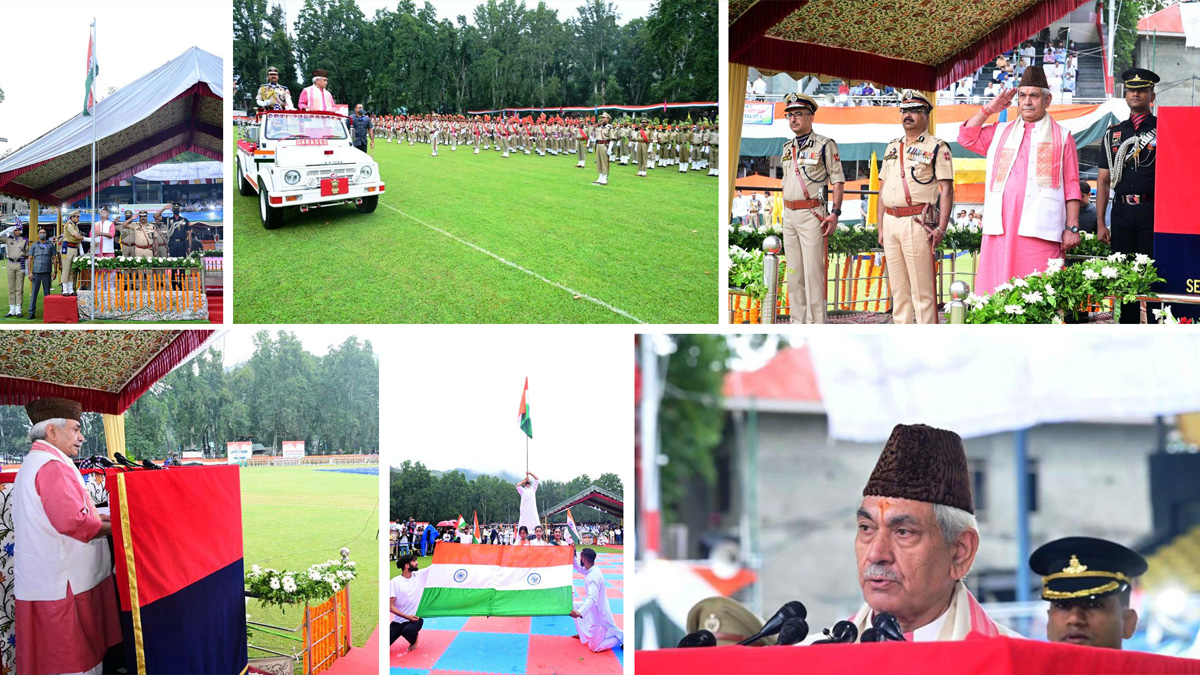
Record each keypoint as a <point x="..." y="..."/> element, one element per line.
<point x="642" y="142"/>
<point x="646" y="143"/>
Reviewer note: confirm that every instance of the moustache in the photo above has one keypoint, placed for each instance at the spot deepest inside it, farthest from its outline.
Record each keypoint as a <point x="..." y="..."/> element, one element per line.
<point x="876" y="571"/>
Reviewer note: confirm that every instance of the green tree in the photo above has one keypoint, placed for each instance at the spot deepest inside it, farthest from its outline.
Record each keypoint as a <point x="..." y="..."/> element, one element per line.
<point x="690" y="417"/>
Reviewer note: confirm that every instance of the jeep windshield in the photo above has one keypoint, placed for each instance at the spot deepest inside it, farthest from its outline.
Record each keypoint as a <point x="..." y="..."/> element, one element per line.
<point x="286" y="127"/>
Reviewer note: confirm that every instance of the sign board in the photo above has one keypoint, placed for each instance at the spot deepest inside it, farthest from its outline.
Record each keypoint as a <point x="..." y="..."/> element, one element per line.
<point x="238" y="452"/>
<point x="193" y="455"/>
<point x="293" y="449"/>
<point x="758" y="112"/>
<point x="1176" y="230"/>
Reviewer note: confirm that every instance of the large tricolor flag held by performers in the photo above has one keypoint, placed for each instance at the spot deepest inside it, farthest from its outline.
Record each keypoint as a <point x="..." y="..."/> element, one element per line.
<point x="93" y="70"/>
<point x="177" y="537"/>
<point x="575" y="538"/>
<point x="488" y="580"/>
<point x="523" y="414"/>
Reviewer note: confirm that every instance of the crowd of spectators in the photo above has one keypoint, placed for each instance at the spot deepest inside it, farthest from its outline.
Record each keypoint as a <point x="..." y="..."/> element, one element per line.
<point x="1060" y="62"/>
<point x="422" y="538"/>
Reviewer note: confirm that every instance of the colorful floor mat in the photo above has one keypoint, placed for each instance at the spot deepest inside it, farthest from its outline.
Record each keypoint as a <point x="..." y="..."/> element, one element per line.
<point x="539" y="645"/>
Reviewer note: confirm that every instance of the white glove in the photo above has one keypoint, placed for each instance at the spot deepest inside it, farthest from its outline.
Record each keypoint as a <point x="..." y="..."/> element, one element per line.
<point x="8" y="231"/>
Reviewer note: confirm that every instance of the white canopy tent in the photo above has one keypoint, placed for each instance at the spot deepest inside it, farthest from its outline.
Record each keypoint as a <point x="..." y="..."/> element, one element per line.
<point x="175" y="108"/>
<point x="994" y="382"/>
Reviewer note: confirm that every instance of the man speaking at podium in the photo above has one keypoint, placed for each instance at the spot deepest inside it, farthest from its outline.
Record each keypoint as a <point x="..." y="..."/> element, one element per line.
<point x="917" y="538"/>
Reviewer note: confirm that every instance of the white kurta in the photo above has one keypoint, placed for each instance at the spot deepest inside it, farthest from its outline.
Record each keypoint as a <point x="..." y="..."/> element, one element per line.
<point x="597" y="628"/>
<point x="529" y="512"/>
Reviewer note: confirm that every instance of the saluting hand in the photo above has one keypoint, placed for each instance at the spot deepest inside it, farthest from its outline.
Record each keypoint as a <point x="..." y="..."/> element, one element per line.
<point x="994" y="106"/>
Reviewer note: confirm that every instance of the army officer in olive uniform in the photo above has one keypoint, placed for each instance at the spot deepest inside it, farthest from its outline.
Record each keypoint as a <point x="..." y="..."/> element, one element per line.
<point x="1088" y="582"/>
<point x="1130" y="150"/>
<point x="916" y="167"/>
<point x="810" y="160"/>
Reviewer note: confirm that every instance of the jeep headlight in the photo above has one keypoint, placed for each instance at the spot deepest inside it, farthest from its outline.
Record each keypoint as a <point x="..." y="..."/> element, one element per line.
<point x="366" y="172"/>
<point x="291" y="177"/>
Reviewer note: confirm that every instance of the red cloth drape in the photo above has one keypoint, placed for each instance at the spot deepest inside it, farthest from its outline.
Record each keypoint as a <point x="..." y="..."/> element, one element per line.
<point x="981" y="656"/>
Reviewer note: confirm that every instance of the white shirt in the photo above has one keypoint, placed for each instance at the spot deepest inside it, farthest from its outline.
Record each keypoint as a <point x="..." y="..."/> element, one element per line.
<point x="760" y="87"/>
<point x="529" y="512"/>
<point x="596" y="623"/>
<point x="406" y="593"/>
<point x="740" y="207"/>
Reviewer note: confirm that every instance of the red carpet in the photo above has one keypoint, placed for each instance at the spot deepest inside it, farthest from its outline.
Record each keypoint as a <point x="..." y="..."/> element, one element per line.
<point x="361" y="660"/>
<point x="216" y="306"/>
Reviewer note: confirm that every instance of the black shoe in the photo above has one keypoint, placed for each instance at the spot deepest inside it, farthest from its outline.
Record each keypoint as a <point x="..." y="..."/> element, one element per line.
<point x="30" y="317"/>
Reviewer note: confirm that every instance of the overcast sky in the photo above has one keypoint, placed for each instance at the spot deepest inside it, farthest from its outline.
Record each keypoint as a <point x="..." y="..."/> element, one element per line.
<point x="45" y="52"/>
<point x="451" y="9"/>
<point x="237" y="344"/>
<point x="450" y="399"/>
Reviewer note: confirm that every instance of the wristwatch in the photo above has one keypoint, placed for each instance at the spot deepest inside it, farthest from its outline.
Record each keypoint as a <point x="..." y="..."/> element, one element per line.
<point x="836" y="212"/>
<point x="1074" y="229"/>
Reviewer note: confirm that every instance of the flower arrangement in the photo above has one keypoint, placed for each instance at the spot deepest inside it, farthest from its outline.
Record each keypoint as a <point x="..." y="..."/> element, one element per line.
<point x="1091" y="246"/>
<point x="121" y="262"/>
<point x="317" y="583"/>
<point x="1042" y="297"/>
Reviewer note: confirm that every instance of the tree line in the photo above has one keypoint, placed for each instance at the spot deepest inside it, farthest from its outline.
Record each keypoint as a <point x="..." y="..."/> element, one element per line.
<point x="416" y="492"/>
<point x="505" y="55"/>
<point x="281" y="393"/>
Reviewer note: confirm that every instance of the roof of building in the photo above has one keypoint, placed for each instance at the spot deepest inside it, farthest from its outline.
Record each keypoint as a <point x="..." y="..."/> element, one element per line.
<point x="787" y="383"/>
<point x="1166" y="20"/>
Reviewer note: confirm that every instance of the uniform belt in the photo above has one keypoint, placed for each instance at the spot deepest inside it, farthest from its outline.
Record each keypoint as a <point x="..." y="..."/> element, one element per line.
<point x="1135" y="199"/>
<point x="902" y="211"/>
<point x="602" y="142"/>
<point x="795" y="204"/>
<point x="70" y="245"/>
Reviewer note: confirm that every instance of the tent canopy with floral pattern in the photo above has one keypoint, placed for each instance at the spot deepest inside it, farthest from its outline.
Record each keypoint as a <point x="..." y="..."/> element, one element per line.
<point x="596" y="497"/>
<point x="922" y="45"/>
<point x="105" y="370"/>
<point x="173" y="109"/>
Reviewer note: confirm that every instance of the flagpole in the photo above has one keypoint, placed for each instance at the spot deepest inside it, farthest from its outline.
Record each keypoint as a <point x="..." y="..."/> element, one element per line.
<point x="92" y="230"/>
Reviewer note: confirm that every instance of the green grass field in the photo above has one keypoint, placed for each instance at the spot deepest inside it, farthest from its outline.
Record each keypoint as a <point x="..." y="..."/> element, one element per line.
<point x="646" y="247"/>
<point x="55" y="288"/>
<point x="293" y="517"/>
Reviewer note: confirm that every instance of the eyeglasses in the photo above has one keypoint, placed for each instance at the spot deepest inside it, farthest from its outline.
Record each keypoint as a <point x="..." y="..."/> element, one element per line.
<point x="798" y="115"/>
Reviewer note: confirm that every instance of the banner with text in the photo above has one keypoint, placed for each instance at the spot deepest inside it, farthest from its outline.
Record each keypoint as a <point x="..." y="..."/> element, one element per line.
<point x="238" y="451"/>
<point x="293" y="449"/>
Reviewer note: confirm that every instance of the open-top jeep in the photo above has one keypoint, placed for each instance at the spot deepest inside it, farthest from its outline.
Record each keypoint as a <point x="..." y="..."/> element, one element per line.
<point x="304" y="159"/>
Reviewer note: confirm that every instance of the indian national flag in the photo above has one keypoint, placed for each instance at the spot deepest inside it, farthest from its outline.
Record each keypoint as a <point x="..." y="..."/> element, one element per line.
<point x="462" y="525"/>
<point x="523" y="414"/>
<point x="488" y="580"/>
<point x="475" y="534"/>
<point x="93" y="69"/>
<point x="571" y="529"/>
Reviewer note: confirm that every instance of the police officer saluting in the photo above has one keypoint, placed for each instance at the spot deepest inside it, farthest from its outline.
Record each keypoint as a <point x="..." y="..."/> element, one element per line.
<point x="810" y="161"/>
<point x="1088" y="583"/>
<point x="1130" y="151"/>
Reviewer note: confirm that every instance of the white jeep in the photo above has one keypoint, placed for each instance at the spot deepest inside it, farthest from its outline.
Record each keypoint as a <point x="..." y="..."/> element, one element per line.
<point x="305" y="159"/>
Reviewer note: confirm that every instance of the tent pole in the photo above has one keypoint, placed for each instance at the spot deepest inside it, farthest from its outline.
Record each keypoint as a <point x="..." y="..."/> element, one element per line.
<point x="95" y="110"/>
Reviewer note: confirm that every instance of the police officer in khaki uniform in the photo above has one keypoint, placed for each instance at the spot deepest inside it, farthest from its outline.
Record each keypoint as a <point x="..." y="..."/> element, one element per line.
<point x="915" y="168"/>
<point x="16" y="248"/>
<point x="714" y="155"/>
<point x="728" y="620"/>
<point x="603" y="138"/>
<point x="141" y="237"/>
<point x="809" y="162"/>
<point x="641" y="145"/>
<point x="70" y="251"/>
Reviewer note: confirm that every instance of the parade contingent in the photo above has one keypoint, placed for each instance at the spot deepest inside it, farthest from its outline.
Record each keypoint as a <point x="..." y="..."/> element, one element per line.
<point x="1032" y="197"/>
<point x="144" y="235"/>
<point x="916" y="539"/>
<point x="642" y="142"/>
<point x="629" y="141"/>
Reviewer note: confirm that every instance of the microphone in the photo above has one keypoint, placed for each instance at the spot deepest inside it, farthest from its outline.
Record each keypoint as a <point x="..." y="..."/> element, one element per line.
<point x="773" y="625"/>
<point x="793" y="631"/>
<point x="872" y="635"/>
<point x="701" y="638"/>
<point x="843" y="632"/>
<point x="888" y="626"/>
<point x="124" y="461"/>
<point x="147" y="464"/>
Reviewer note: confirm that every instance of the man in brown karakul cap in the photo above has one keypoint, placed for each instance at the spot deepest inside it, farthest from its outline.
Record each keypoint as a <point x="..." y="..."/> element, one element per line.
<point x="917" y="538"/>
